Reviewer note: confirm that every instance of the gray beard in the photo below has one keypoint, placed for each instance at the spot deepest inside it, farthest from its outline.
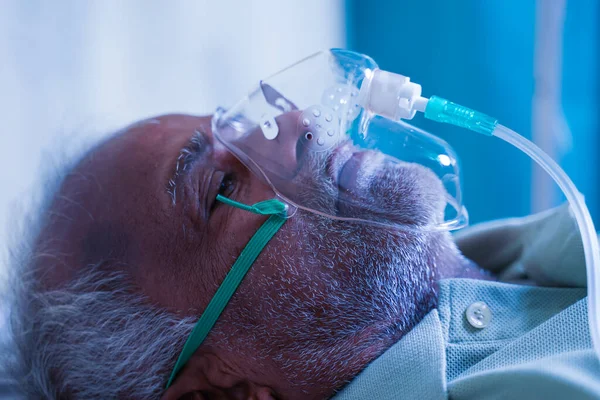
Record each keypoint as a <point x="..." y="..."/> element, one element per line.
<point x="343" y="292"/>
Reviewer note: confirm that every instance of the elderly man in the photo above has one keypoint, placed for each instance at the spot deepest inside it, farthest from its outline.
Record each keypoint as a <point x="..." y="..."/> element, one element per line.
<point x="134" y="244"/>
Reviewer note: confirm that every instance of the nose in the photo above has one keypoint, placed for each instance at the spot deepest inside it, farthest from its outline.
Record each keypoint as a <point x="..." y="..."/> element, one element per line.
<point x="299" y="133"/>
<point x="280" y="156"/>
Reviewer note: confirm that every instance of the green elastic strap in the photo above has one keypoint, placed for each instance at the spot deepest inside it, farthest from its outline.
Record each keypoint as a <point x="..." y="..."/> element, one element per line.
<point x="277" y="210"/>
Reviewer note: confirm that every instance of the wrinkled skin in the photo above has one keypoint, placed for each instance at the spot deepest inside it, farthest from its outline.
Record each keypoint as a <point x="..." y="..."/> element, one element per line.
<point x="344" y="291"/>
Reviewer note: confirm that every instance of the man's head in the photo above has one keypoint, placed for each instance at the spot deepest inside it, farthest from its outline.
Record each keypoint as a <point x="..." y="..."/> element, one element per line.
<point x="135" y="245"/>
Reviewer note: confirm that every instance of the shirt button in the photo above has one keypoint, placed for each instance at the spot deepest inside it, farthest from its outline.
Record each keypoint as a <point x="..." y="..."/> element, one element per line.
<point x="479" y="315"/>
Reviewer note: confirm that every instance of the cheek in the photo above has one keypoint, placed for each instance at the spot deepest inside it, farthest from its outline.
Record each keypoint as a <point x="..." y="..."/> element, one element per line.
<point x="292" y="264"/>
<point x="177" y="275"/>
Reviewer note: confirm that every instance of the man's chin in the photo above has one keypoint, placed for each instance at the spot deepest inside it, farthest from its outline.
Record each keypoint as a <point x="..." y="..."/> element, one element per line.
<point x="402" y="194"/>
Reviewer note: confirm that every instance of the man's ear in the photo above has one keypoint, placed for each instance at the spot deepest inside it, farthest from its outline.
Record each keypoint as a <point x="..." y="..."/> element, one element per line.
<point x="207" y="376"/>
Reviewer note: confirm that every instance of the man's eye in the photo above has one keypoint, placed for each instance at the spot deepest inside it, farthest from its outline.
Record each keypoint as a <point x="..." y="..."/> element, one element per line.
<point x="221" y="184"/>
<point x="227" y="185"/>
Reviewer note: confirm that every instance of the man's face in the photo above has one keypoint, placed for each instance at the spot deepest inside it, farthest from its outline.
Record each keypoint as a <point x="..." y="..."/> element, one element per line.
<point x="146" y="199"/>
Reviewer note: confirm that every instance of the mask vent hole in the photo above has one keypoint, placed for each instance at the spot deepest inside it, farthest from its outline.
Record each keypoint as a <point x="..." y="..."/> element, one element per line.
<point x="308" y="136"/>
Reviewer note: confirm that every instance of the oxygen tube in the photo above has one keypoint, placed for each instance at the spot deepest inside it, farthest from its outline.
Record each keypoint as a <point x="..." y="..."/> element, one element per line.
<point x="394" y="96"/>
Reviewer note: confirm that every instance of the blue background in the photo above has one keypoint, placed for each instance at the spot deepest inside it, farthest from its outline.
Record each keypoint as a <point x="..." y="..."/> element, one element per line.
<point x="481" y="55"/>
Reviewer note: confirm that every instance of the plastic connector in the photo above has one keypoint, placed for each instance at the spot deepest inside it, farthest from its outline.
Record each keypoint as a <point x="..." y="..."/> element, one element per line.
<point x="391" y="95"/>
<point x="442" y="110"/>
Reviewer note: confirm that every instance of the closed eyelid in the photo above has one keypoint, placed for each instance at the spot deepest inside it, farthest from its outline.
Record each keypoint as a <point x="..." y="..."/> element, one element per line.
<point x="204" y="191"/>
<point x="195" y="148"/>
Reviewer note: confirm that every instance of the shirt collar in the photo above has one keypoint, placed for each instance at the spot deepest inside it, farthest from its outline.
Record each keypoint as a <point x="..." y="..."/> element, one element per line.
<point x="544" y="249"/>
<point x="415" y="364"/>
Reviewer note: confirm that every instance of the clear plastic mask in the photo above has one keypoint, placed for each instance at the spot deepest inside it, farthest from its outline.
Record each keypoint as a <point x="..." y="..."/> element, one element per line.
<point x="306" y="133"/>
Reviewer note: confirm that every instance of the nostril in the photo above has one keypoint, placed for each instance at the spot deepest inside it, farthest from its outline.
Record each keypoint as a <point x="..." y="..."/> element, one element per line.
<point x="308" y="136"/>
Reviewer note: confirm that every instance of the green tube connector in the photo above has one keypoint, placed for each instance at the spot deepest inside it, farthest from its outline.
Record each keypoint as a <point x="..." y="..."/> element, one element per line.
<point x="442" y="110"/>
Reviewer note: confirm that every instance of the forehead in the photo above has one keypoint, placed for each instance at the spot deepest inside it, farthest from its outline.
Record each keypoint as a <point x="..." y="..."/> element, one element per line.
<point x="138" y="160"/>
<point x="117" y="193"/>
<point x="159" y="133"/>
<point x="142" y="157"/>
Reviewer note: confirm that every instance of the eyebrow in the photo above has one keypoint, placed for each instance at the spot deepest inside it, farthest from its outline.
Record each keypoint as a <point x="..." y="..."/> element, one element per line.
<point x="195" y="148"/>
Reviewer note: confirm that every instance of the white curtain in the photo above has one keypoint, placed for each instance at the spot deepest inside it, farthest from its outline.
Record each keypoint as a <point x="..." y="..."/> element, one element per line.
<point x="83" y="67"/>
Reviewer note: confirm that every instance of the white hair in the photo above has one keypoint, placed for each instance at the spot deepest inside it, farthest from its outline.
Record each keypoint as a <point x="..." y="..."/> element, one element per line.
<point x="94" y="339"/>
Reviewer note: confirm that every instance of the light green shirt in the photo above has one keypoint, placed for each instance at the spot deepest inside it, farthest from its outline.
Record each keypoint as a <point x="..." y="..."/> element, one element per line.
<point x="537" y="344"/>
